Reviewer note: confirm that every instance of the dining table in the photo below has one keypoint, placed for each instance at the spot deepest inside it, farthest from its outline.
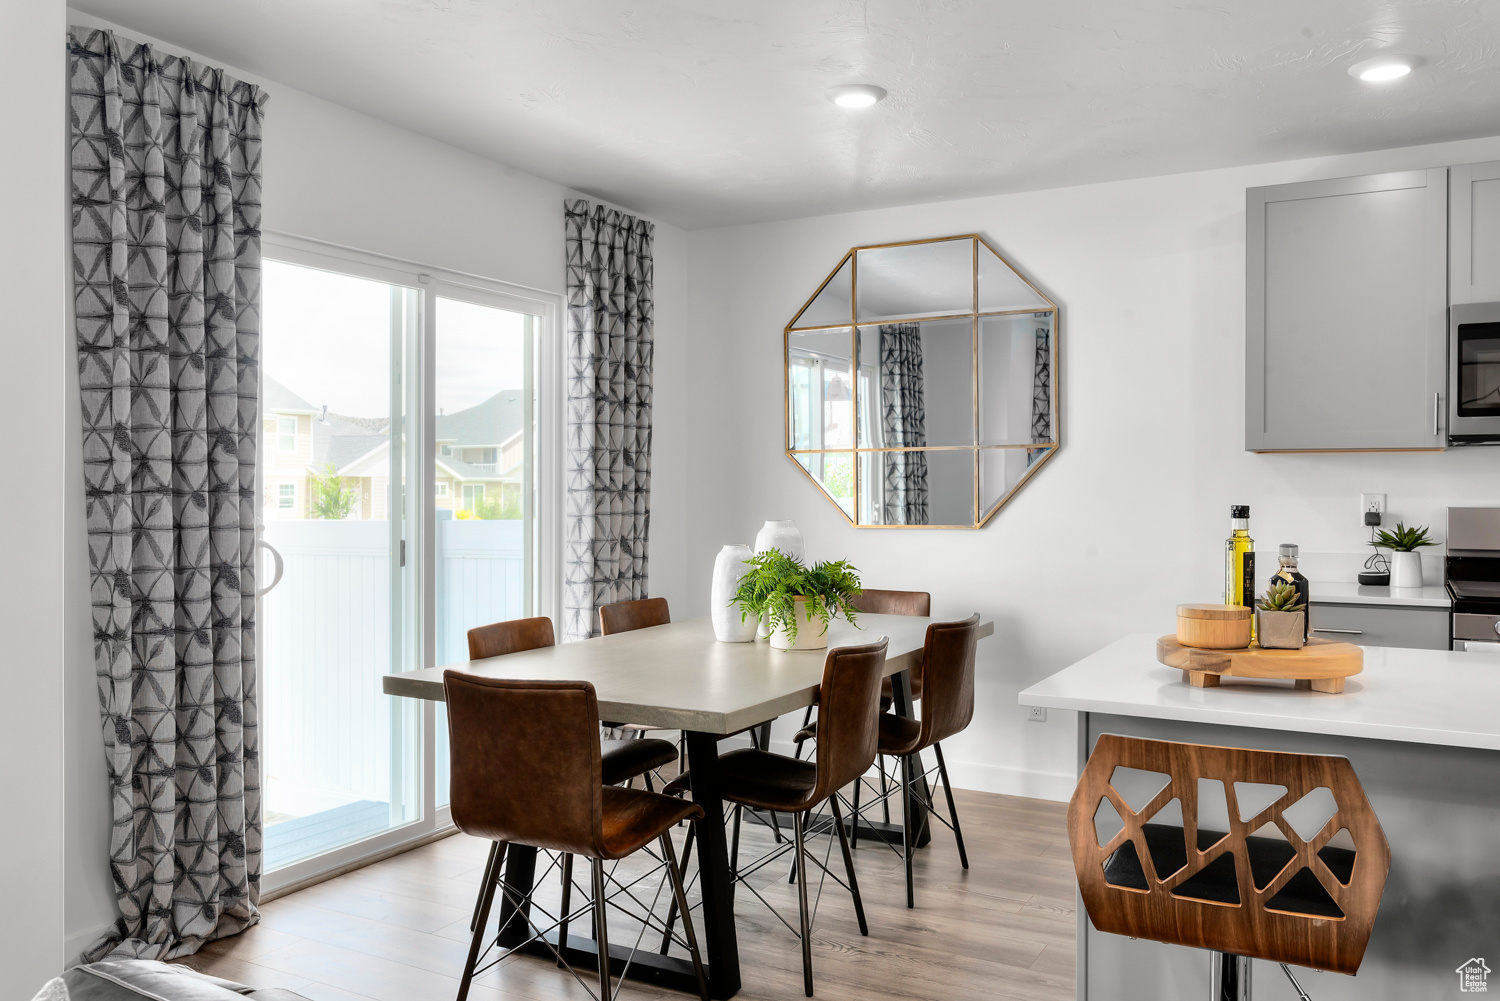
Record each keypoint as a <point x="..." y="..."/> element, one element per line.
<point x="677" y="676"/>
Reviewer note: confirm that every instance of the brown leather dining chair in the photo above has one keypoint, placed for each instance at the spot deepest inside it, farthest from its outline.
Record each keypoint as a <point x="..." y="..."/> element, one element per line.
<point x="620" y="760"/>
<point x="849" y="697"/>
<point x="526" y="770"/>
<point x="1270" y="855"/>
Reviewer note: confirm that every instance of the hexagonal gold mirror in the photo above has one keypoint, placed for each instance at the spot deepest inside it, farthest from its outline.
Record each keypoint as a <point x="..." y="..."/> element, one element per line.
<point x="919" y="384"/>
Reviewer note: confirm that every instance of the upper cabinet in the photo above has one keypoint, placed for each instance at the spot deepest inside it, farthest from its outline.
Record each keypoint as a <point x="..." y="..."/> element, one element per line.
<point x="1346" y="310"/>
<point x="1474" y="232"/>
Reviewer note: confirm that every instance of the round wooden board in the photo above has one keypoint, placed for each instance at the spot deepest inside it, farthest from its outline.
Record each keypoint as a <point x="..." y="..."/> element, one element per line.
<point x="1318" y="659"/>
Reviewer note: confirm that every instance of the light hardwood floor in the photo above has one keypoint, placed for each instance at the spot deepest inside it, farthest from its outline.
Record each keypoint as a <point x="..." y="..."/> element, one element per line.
<point x="398" y="930"/>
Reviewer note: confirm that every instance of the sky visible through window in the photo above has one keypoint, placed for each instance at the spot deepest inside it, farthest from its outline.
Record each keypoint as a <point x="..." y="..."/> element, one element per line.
<point x="327" y="339"/>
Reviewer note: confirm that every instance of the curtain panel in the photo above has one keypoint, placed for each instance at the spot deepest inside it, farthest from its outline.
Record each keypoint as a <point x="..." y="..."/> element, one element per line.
<point x="903" y="422"/>
<point x="166" y="279"/>
<point x="608" y="480"/>
<point x="1041" y="394"/>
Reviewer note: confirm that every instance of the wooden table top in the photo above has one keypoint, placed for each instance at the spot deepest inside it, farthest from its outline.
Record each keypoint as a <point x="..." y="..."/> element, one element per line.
<point x="679" y="677"/>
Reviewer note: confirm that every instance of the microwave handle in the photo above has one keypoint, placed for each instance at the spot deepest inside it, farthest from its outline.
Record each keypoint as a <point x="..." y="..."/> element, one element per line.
<point x="1436" y="412"/>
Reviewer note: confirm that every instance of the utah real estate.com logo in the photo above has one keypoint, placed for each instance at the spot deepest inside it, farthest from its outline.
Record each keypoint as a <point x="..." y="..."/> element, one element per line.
<point x="1473" y="977"/>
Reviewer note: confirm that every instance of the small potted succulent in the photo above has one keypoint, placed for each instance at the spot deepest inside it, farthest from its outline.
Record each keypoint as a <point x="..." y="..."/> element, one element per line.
<point x="1281" y="618"/>
<point x="1406" y="562"/>
<point x="796" y="600"/>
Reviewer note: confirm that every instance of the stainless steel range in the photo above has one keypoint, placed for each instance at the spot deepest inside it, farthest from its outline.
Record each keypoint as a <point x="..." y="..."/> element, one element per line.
<point x="1473" y="572"/>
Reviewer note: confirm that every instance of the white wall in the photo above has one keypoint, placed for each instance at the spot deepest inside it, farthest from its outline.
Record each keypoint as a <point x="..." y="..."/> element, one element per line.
<point x="345" y="178"/>
<point x="1128" y="519"/>
<point x="33" y="259"/>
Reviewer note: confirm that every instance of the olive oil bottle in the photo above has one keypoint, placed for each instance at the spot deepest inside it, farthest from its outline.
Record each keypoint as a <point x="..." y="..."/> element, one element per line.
<point x="1288" y="572"/>
<point x="1239" y="560"/>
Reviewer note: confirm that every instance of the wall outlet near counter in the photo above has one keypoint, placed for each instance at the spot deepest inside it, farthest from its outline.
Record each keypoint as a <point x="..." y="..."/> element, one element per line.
<point x="1036" y="714"/>
<point x="1369" y="503"/>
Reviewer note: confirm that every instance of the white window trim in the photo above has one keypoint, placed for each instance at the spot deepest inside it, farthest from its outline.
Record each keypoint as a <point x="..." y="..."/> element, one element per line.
<point x="285" y="500"/>
<point x="420" y="367"/>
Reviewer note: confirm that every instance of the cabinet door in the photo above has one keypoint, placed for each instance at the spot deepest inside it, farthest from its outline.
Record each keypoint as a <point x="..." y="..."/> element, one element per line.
<point x="1346" y="313"/>
<point x="1474" y="232"/>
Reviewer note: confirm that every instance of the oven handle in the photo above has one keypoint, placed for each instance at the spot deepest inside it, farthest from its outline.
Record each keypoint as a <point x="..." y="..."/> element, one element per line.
<point x="1436" y="406"/>
<point x="1344" y="632"/>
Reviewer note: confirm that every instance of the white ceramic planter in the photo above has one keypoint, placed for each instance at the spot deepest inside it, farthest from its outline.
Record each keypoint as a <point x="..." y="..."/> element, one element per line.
<point x="781" y="535"/>
<point x="811" y="633"/>
<point x="729" y="625"/>
<point x="1406" y="569"/>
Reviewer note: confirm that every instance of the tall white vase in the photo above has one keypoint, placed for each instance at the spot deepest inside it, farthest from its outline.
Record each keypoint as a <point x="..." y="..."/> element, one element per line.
<point x="729" y="567"/>
<point x="782" y="535"/>
<point x="1406" y="569"/>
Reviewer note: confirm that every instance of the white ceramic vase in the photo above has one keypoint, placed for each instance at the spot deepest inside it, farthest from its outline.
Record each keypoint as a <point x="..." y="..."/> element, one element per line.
<point x="1406" y="569"/>
<point x="729" y="625"/>
<point x="782" y="535"/>
<point x="811" y="633"/>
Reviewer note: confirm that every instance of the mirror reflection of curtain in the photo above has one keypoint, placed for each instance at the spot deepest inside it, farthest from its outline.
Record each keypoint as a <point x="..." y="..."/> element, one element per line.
<point x="1041" y="394"/>
<point x="903" y="423"/>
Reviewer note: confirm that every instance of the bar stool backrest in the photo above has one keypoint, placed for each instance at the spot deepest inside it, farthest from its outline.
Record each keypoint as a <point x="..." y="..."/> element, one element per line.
<point x="878" y="602"/>
<point x="623" y="616"/>
<point x="513" y="636"/>
<point x="848" y="716"/>
<point x="948" y="678"/>
<point x="1268" y="893"/>
<point x="525" y="761"/>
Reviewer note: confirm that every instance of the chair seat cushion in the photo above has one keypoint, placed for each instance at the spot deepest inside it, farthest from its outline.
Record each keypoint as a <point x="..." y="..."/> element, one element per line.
<point x="898" y="734"/>
<point x="766" y="781"/>
<point x="625" y="758"/>
<point x="634" y="818"/>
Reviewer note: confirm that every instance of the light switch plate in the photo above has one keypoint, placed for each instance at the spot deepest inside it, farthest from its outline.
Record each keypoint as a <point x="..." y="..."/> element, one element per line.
<point x="1036" y="714"/>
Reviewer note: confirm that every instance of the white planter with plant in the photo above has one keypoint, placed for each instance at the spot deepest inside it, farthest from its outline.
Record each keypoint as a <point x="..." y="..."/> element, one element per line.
<point x="1281" y="618"/>
<point x="1406" y="562"/>
<point x="796" y="601"/>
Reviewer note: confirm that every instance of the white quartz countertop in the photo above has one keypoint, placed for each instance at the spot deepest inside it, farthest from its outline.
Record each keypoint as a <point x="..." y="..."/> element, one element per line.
<point x="1422" y="696"/>
<point x="1347" y="593"/>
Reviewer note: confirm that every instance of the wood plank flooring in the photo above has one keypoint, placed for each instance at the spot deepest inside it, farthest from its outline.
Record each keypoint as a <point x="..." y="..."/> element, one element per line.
<point x="398" y="930"/>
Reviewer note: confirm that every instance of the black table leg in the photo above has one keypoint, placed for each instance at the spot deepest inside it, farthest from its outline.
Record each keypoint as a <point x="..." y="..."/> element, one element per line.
<point x="520" y="876"/>
<point x="902" y="703"/>
<point x="720" y="946"/>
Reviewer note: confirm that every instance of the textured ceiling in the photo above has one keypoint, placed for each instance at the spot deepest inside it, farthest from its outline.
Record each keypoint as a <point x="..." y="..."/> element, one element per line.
<point x="703" y="113"/>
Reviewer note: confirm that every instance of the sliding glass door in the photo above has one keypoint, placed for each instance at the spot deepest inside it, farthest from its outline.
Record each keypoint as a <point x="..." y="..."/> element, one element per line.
<point x="399" y="500"/>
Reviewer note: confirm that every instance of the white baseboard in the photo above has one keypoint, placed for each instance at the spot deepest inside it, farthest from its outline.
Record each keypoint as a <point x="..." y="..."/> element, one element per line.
<point x="1057" y="787"/>
<point x="74" y="944"/>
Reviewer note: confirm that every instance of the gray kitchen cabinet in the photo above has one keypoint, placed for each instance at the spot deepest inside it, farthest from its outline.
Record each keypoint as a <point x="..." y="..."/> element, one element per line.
<point x="1346" y="313"/>
<point x="1419" y="627"/>
<point x="1474" y="232"/>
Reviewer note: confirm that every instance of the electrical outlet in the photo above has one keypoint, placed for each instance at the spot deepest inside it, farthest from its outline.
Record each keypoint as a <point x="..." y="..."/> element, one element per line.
<point x="1036" y="714"/>
<point x="1371" y="502"/>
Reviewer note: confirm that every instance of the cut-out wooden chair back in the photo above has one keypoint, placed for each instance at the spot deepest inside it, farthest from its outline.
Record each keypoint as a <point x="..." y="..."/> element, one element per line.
<point x="1267" y="854"/>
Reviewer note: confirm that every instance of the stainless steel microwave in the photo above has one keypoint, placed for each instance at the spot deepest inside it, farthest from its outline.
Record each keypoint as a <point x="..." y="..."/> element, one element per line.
<point x="1474" y="374"/>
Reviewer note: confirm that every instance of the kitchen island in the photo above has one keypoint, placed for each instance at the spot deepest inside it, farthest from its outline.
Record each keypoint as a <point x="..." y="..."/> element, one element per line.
<point x="1422" y="729"/>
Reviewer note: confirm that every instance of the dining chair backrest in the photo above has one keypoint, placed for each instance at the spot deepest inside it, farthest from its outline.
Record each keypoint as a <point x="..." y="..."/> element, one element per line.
<point x="878" y="602"/>
<point x="1268" y="854"/>
<point x="623" y="616"/>
<point x="524" y="762"/>
<point x="848" y="716"/>
<point x="948" y="678"/>
<point x="512" y="636"/>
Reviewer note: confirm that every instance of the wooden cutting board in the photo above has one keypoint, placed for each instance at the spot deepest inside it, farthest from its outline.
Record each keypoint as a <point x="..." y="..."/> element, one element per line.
<point x="1321" y="665"/>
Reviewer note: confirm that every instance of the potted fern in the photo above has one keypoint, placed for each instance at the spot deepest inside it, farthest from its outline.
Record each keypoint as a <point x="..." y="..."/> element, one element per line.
<point x="797" y="601"/>
<point x="1406" y="562"/>
<point x="1281" y="618"/>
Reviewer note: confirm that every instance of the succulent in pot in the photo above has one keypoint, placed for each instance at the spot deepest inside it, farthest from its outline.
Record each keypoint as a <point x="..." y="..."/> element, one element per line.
<point x="1281" y="618"/>
<point x="797" y="601"/>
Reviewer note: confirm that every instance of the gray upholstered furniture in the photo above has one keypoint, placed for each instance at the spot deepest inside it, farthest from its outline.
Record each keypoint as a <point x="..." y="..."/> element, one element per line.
<point x="135" y="979"/>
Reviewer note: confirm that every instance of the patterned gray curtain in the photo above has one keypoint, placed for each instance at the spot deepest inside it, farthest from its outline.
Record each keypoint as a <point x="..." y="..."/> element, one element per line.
<point x="608" y="506"/>
<point x="903" y="423"/>
<point x="166" y="281"/>
<point x="1041" y="394"/>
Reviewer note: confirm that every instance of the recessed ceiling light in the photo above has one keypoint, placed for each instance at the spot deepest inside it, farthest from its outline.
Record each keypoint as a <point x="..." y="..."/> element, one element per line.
<point x="1383" y="69"/>
<point x="856" y="95"/>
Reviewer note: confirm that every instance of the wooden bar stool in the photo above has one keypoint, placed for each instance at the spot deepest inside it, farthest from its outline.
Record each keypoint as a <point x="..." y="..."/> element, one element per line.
<point x="526" y="771"/>
<point x="1250" y="854"/>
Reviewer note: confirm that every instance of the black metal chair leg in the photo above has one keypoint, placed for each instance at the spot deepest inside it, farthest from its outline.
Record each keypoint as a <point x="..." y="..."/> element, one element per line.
<point x="476" y="943"/>
<point x="734" y="844"/>
<point x="906" y="832"/>
<point x="885" y="790"/>
<point x="567" y="903"/>
<point x="838" y="823"/>
<point x="489" y="867"/>
<point x="601" y="923"/>
<point x="854" y="820"/>
<point x="646" y="778"/>
<point x="791" y="873"/>
<point x="797" y="830"/>
<point x="958" y="834"/>
<point x="679" y="897"/>
<point x="687" y="853"/>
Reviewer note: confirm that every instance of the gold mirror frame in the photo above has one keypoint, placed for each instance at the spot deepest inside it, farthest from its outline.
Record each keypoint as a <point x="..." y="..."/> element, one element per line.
<point x="1046" y="447"/>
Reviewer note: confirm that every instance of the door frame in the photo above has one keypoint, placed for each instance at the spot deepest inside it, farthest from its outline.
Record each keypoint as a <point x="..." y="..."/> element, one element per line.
<point x="418" y="575"/>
